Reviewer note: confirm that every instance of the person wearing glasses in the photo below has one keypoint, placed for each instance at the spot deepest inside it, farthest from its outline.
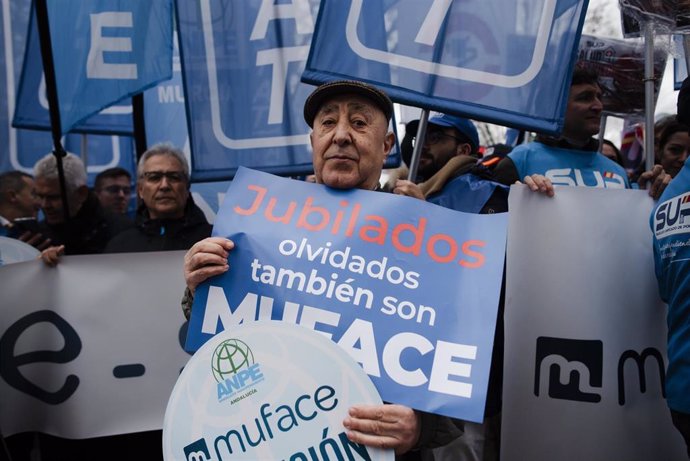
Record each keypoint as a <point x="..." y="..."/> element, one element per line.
<point x="113" y="187"/>
<point x="447" y="137"/>
<point x="448" y="173"/>
<point x="167" y="217"/>
<point x="89" y="227"/>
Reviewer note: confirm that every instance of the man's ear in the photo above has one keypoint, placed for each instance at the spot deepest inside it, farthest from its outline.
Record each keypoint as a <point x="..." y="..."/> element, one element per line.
<point x="463" y="149"/>
<point x="82" y="193"/>
<point x="388" y="143"/>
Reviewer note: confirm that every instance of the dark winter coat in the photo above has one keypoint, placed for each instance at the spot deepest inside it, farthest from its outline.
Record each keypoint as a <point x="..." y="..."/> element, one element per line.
<point x="87" y="232"/>
<point x="162" y="234"/>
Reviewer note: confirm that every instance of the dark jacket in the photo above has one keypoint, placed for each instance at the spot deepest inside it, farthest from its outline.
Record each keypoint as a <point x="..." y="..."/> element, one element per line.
<point x="162" y="234"/>
<point x="88" y="231"/>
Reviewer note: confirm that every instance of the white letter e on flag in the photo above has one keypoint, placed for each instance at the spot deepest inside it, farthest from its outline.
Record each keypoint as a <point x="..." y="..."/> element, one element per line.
<point x="96" y="67"/>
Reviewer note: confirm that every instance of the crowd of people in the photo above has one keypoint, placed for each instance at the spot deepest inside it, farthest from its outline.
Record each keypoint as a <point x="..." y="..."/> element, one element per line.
<point x="350" y="141"/>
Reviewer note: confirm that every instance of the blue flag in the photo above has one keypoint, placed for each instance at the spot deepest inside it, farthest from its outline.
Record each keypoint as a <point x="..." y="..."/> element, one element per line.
<point x="107" y="50"/>
<point x="242" y="62"/>
<point x="22" y="148"/>
<point x="408" y="288"/>
<point x="164" y="110"/>
<point x="32" y="111"/>
<point x="500" y="61"/>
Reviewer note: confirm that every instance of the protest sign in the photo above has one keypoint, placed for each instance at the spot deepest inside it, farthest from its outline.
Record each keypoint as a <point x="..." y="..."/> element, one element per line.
<point x="409" y="289"/>
<point x="243" y="397"/>
<point x="667" y="16"/>
<point x="620" y="66"/>
<point x="15" y="251"/>
<point x="585" y="331"/>
<point x="91" y="347"/>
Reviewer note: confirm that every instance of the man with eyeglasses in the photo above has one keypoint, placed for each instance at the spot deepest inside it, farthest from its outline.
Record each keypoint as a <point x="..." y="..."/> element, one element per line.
<point x="167" y="218"/>
<point x="113" y="187"/>
<point x="446" y="137"/>
<point x="448" y="174"/>
<point x="89" y="227"/>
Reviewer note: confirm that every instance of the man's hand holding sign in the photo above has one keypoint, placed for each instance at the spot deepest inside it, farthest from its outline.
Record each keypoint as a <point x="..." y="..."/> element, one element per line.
<point x="350" y="142"/>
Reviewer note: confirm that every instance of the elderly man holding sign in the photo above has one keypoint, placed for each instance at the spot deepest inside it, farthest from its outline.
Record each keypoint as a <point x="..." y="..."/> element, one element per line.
<point x="350" y="141"/>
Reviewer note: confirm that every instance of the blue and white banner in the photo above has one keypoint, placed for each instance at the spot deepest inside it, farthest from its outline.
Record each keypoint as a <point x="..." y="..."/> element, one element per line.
<point x="500" y="61"/>
<point x="164" y="111"/>
<point x="242" y="63"/>
<point x="410" y="290"/>
<point x="107" y="50"/>
<point x="32" y="111"/>
<point x="22" y="148"/>
<point x="14" y="20"/>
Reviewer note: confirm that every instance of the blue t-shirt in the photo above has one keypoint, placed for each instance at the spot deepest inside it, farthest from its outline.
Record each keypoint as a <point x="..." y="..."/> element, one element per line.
<point x="569" y="167"/>
<point x="670" y="222"/>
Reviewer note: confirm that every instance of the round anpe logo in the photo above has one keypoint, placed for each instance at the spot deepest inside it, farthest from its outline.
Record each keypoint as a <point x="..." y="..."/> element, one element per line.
<point x="267" y="390"/>
<point x="231" y="356"/>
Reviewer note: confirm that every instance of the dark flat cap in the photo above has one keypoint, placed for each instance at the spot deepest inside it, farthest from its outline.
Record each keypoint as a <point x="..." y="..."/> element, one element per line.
<point x="324" y="92"/>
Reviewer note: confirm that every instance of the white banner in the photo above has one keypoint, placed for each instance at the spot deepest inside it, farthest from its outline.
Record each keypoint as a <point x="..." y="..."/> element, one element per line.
<point x="91" y="347"/>
<point x="581" y="300"/>
<point x="585" y="345"/>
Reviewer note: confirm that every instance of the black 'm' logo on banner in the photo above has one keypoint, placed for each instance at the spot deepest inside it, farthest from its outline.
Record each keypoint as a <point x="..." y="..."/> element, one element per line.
<point x="569" y="369"/>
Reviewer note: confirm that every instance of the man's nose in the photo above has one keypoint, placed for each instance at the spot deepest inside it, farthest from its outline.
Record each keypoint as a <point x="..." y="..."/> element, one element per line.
<point x="597" y="105"/>
<point x="342" y="133"/>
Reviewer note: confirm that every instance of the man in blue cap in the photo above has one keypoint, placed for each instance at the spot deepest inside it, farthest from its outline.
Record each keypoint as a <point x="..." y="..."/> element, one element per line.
<point x="447" y="136"/>
<point x="447" y="173"/>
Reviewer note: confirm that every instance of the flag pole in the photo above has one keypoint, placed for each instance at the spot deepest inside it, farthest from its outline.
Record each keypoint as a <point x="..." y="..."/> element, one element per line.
<point x="686" y="52"/>
<point x="649" y="80"/>
<point x="139" y="125"/>
<point x="419" y="143"/>
<point x="51" y="94"/>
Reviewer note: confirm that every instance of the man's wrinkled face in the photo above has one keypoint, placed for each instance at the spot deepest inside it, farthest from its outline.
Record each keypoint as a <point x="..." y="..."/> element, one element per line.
<point x="48" y="193"/>
<point x="163" y="187"/>
<point x="114" y="193"/>
<point x="583" y="115"/>
<point x="350" y="142"/>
